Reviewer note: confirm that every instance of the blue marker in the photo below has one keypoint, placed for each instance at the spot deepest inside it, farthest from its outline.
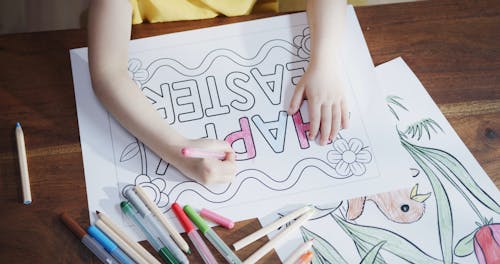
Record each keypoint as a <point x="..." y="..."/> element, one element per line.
<point x="109" y="245"/>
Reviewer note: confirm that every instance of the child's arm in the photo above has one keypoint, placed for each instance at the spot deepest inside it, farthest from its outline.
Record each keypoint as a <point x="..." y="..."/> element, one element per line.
<point x="322" y="82"/>
<point x="109" y="35"/>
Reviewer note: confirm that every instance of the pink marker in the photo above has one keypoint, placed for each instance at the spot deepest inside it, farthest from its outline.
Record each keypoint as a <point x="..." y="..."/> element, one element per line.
<point x="200" y="153"/>
<point x="216" y="218"/>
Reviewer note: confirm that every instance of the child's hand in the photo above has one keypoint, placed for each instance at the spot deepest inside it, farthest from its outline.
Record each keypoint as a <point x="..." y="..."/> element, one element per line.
<point x="207" y="170"/>
<point x="322" y="85"/>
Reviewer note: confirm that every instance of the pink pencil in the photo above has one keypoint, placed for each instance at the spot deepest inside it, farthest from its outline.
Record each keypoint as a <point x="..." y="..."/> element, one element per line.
<point x="200" y="153"/>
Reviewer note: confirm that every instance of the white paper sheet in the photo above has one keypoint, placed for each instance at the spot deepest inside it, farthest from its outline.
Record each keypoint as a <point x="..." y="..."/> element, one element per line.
<point x="233" y="82"/>
<point x="413" y="227"/>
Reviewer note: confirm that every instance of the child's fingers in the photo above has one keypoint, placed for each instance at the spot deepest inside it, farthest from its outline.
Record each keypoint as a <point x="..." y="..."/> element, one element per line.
<point x="335" y="121"/>
<point x="227" y="147"/>
<point x="226" y="169"/>
<point x="230" y="156"/>
<point x="326" y="123"/>
<point x="314" y="118"/>
<point x="297" y="98"/>
<point x="345" y="114"/>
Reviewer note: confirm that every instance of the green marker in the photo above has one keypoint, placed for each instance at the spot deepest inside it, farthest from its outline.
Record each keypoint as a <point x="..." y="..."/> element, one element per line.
<point x="165" y="254"/>
<point x="216" y="241"/>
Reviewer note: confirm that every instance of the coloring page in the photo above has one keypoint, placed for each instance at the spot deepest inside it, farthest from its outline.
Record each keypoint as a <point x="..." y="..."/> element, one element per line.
<point x="234" y="83"/>
<point x="449" y="214"/>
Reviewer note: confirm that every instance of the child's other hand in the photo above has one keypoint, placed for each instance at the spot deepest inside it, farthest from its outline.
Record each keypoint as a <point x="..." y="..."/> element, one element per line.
<point x="323" y="87"/>
<point x="207" y="170"/>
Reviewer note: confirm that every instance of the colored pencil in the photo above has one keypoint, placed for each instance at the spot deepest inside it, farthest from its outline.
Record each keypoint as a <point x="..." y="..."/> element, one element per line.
<point x="136" y="246"/>
<point x="275" y="241"/>
<point x="303" y="248"/>
<point x="23" y="164"/>
<point x="120" y="242"/>
<point x="269" y="228"/>
<point x="162" y="219"/>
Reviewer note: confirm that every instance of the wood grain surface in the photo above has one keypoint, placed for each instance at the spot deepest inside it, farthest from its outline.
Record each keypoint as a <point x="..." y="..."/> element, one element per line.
<point x="452" y="46"/>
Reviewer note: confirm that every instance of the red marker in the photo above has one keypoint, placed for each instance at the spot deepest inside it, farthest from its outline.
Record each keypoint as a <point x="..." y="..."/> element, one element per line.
<point x="198" y="243"/>
<point x="200" y="153"/>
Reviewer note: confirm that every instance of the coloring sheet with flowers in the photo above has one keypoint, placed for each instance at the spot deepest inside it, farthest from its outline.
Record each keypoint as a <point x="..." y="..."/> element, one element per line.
<point x="234" y="83"/>
<point x="450" y="214"/>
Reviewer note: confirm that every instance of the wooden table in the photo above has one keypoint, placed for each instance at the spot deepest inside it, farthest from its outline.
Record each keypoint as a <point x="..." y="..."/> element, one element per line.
<point x="452" y="46"/>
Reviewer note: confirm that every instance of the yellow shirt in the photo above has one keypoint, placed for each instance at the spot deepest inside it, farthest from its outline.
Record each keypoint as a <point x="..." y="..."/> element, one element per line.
<point x="172" y="10"/>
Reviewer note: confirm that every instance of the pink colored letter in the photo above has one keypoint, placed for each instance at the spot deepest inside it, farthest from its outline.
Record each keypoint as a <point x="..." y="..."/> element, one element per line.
<point x="301" y="128"/>
<point x="244" y="134"/>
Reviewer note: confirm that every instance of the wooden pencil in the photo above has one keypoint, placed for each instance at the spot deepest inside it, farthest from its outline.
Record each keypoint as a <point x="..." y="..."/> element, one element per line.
<point x="23" y="164"/>
<point x="136" y="246"/>
<point x="120" y="242"/>
<point x="162" y="219"/>
<point x="279" y="238"/>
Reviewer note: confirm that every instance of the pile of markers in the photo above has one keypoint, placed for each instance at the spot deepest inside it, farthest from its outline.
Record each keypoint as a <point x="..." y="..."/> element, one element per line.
<point x="112" y="245"/>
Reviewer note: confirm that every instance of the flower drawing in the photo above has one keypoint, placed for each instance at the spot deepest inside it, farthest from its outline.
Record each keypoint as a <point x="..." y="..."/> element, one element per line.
<point x="303" y="42"/>
<point x="154" y="188"/>
<point x="349" y="158"/>
<point x="136" y="73"/>
<point x="486" y="244"/>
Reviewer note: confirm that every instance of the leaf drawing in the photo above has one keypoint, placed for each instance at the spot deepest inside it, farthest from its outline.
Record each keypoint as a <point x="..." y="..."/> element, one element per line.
<point x="438" y="164"/>
<point x="424" y="124"/>
<point x="393" y="100"/>
<point x="395" y="244"/>
<point x="324" y="252"/>
<point x="364" y="248"/>
<point x="371" y="256"/>
<point x="465" y="246"/>
<point x="130" y="151"/>
<point x="460" y="172"/>
<point x="444" y="217"/>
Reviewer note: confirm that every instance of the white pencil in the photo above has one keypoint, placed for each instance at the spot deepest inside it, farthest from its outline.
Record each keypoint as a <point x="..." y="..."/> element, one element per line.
<point x="136" y="246"/>
<point x="303" y="248"/>
<point x="23" y="164"/>
<point x="120" y="242"/>
<point x="269" y="228"/>
<point x="162" y="219"/>
<point x="279" y="238"/>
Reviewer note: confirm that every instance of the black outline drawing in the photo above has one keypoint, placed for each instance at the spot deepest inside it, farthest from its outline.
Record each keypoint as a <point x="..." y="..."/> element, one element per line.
<point x="233" y="86"/>
<point x="145" y="74"/>
<point x="180" y="100"/>
<point x="225" y="108"/>
<point x="247" y="121"/>
<point x="273" y="93"/>
<point x="212" y="56"/>
<point x="170" y="116"/>
<point x="280" y="137"/>
<point x="290" y="66"/>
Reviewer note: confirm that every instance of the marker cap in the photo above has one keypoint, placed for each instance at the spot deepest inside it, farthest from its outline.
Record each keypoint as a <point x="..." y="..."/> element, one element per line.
<point x="102" y="238"/>
<point x="137" y="202"/>
<point x="185" y="222"/>
<point x="196" y="218"/>
<point x="167" y="256"/>
<point x="219" y="219"/>
<point x="126" y="207"/>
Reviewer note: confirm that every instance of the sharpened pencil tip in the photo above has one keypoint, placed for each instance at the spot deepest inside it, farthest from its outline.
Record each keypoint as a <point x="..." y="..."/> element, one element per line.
<point x="18" y="125"/>
<point x="27" y="202"/>
<point x="97" y="212"/>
